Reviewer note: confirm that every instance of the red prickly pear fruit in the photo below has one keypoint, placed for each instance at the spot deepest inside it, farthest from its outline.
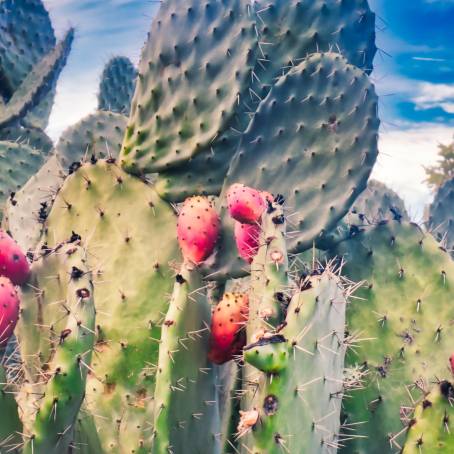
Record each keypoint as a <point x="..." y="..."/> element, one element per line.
<point x="246" y="205"/>
<point x="247" y="240"/>
<point x="198" y="229"/>
<point x="451" y="362"/>
<point x="13" y="262"/>
<point x="228" y="336"/>
<point x="9" y="309"/>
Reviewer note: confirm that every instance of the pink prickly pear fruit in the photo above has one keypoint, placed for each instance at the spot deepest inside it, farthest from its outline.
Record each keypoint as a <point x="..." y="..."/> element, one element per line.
<point x="228" y="336"/>
<point x="198" y="229"/>
<point x="246" y="205"/>
<point x="9" y="309"/>
<point x="13" y="262"/>
<point x="247" y="240"/>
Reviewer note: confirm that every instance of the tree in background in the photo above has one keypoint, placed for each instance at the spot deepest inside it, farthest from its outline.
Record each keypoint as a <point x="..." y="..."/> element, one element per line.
<point x="444" y="169"/>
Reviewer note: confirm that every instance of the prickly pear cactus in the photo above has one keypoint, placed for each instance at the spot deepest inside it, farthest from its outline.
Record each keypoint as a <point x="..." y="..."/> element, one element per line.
<point x="375" y="205"/>
<point x="97" y="136"/>
<point x="57" y="347"/>
<point x="25" y="213"/>
<point x="11" y="425"/>
<point x="117" y="85"/>
<point x="379" y="203"/>
<point x="179" y="106"/>
<point x="18" y="162"/>
<point x="295" y="355"/>
<point x="432" y="424"/>
<point x="398" y="330"/>
<point x="186" y="410"/>
<point x="441" y="221"/>
<point x="26" y="36"/>
<point x="39" y="81"/>
<point x="316" y="115"/>
<point x="130" y="235"/>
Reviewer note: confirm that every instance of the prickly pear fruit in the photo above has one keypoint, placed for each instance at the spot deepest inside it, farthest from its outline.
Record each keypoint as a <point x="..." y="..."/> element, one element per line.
<point x="451" y="363"/>
<point x="198" y="229"/>
<point x="228" y="335"/>
<point x="247" y="240"/>
<point x="246" y="205"/>
<point x="9" y="309"/>
<point x="13" y="263"/>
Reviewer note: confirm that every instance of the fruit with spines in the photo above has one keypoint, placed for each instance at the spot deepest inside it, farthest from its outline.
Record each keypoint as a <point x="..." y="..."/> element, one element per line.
<point x="228" y="327"/>
<point x="13" y="262"/>
<point x="198" y="229"/>
<point x="247" y="240"/>
<point x="9" y="309"/>
<point x="245" y="205"/>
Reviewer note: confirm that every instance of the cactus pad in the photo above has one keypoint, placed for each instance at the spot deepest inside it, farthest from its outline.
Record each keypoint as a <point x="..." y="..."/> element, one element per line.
<point x="18" y="162"/>
<point x="38" y="82"/>
<point x="117" y="86"/>
<point x="194" y="67"/>
<point x="99" y="135"/>
<point x="130" y="235"/>
<point x="322" y="117"/>
<point x="402" y="316"/>
<point x="441" y="219"/>
<point x="27" y="35"/>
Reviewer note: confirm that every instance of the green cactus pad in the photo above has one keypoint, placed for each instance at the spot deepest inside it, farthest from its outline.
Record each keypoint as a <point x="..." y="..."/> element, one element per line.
<point x="269" y="274"/>
<point x="192" y="75"/>
<point x="38" y="82"/>
<point x="27" y="35"/>
<point x="117" y="86"/>
<point x="17" y="164"/>
<point x="62" y="395"/>
<point x="11" y="426"/>
<point x="299" y="404"/>
<point x="398" y="327"/>
<point x="186" y="410"/>
<point x="433" y="423"/>
<point x="99" y="135"/>
<point x="33" y="137"/>
<point x="441" y="216"/>
<point x="25" y="213"/>
<point x="314" y="140"/>
<point x="290" y="30"/>
<point x="202" y="175"/>
<point x="130" y="235"/>
<point x="376" y="204"/>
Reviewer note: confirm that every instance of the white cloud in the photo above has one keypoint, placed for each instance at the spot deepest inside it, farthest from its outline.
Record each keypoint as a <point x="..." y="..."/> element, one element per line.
<point x="403" y="154"/>
<point x="430" y="95"/>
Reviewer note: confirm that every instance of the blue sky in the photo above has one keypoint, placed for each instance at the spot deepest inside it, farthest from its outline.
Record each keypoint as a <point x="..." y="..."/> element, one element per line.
<point x="414" y="75"/>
